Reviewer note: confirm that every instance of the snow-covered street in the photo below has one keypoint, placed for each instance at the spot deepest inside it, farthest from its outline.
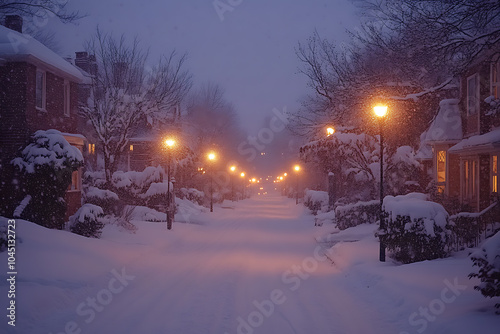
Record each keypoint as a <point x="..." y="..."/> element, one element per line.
<point x="259" y="267"/>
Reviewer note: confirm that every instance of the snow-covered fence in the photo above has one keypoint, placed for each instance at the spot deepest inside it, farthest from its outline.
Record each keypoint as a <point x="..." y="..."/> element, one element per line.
<point x="316" y="200"/>
<point x="416" y="229"/>
<point x="350" y="215"/>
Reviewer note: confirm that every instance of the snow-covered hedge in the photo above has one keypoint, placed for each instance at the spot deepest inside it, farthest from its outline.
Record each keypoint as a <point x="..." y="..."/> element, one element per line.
<point x="416" y="229"/>
<point x="316" y="200"/>
<point x="87" y="221"/>
<point x="351" y="215"/>
<point x="487" y="259"/>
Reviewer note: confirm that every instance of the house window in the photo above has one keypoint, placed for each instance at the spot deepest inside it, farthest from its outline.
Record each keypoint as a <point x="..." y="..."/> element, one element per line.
<point x="494" y="173"/>
<point x="470" y="179"/>
<point x="131" y="148"/>
<point x="441" y="170"/>
<point x="67" y="101"/>
<point x="473" y="95"/>
<point x="495" y="80"/>
<point x="91" y="148"/>
<point x="75" y="181"/>
<point x="40" y="90"/>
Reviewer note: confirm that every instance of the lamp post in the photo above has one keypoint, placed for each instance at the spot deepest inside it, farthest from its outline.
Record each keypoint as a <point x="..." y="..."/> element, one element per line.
<point x="169" y="144"/>
<point x="232" y="169"/>
<point x="381" y="112"/>
<point x="242" y="175"/>
<point x="211" y="159"/>
<point x="330" y="131"/>
<point x="297" y="170"/>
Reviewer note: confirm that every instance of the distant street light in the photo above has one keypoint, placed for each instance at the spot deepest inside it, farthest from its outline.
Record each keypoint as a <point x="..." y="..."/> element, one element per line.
<point x="297" y="170"/>
<point x="169" y="144"/>
<point x="211" y="159"/>
<point x="330" y="131"/>
<point x="381" y="112"/>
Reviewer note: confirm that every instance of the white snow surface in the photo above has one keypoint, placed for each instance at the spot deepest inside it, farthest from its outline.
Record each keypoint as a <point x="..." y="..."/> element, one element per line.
<point x="487" y="139"/>
<point x="260" y="268"/>
<point x="15" y="46"/>
<point x="415" y="205"/>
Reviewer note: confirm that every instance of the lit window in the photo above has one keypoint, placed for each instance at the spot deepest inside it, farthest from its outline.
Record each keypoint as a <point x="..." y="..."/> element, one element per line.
<point x="40" y="90"/>
<point x="75" y="181"/>
<point x="494" y="172"/>
<point x="441" y="166"/>
<point x="131" y="147"/>
<point x="91" y="148"/>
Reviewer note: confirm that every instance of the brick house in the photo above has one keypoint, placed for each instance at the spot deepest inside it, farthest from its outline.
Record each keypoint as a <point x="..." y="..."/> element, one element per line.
<point x="39" y="90"/>
<point x="465" y="138"/>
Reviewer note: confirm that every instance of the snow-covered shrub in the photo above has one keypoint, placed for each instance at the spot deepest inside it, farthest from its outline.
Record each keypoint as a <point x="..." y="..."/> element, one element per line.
<point x="487" y="259"/>
<point x="191" y="194"/>
<point x="106" y="199"/>
<point x="315" y="200"/>
<point x="144" y="213"/>
<point x="351" y="215"/>
<point x="131" y="185"/>
<point x="46" y="165"/>
<point x="87" y="221"/>
<point x="416" y="229"/>
<point x="466" y="228"/>
<point x="156" y="195"/>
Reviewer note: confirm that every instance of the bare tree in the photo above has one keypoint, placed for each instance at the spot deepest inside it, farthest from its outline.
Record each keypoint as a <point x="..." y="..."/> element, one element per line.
<point x="123" y="92"/>
<point x="211" y="120"/>
<point x="39" y="10"/>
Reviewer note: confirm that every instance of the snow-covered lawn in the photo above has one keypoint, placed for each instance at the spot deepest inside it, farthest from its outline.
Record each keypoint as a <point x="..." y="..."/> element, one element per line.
<point x="257" y="268"/>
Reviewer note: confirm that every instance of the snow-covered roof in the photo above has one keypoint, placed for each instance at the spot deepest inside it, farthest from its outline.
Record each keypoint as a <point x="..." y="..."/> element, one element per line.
<point x="446" y="127"/>
<point x="478" y="143"/>
<point x="15" y="46"/>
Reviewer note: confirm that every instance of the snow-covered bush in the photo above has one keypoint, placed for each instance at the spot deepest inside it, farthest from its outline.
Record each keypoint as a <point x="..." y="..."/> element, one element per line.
<point x="46" y="166"/>
<point x="416" y="229"/>
<point x="191" y="194"/>
<point x="87" y="221"/>
<point x="487" y="259"/>
<point x="131" y="185"/>
<point x="316" y="200"/>
<point x="156" y="195"/>
<point x="351" y="215"/>
<point x="106" y="199"/>
<point x="466" y="228"/>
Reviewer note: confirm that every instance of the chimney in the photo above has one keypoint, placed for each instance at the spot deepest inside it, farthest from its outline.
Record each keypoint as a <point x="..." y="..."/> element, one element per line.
<point x="86" y="62"/>
<point x="14" y="22"/>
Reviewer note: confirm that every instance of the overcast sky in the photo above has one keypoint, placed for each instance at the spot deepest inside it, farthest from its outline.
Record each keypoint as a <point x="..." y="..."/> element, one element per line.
<point x="248" y="50"/>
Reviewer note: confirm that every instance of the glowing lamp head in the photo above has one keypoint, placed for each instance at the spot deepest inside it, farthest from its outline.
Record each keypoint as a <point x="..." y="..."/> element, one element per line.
<point x="253" y="180"/>
<point x="211" y="156"/>
<point x="232" y="168"/>
<point x="380" y="110"/>
<point x="242" y="174"/>
<point x="286" y="174"/>
<point x="297" y="168"/>
<point x="169" y="143"/>
<point x="330" y="131"/>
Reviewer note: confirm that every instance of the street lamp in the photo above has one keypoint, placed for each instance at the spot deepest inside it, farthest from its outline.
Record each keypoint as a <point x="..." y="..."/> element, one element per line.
<point x="297" y="170"/>
<point x="242" y="175"/>
<point x="330" y="131"/>
<point x="169" y="144"/>
<point x="211" y="158"/>
<point x="381" y="112"/>
<point x="232" y="169"/>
